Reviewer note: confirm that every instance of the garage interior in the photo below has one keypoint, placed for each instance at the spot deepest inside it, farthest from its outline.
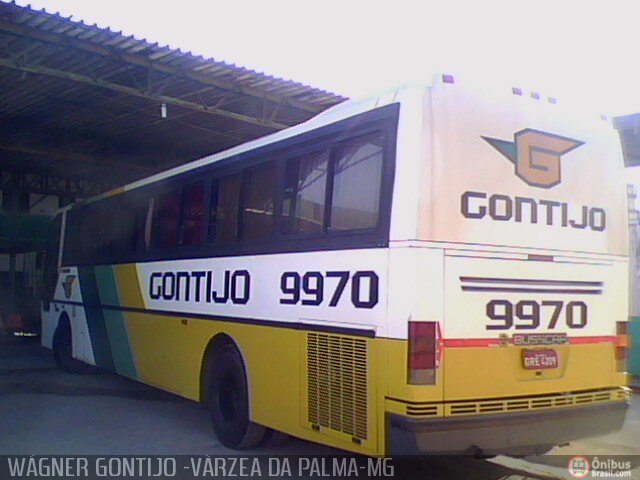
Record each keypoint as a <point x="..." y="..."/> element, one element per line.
<point x="86" y="109"/>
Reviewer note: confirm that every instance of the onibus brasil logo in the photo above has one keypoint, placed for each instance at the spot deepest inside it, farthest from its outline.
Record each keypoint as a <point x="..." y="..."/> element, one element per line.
<point x="579" y="467"/>
<point x="536" y="155"/>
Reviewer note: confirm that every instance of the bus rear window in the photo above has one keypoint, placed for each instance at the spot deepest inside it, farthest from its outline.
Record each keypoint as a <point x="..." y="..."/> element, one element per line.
<point x="168" y="229"/>
<point x="258" y="202"/>
<point x="357" y="174"/>
<point x="304" y="196"/>
<point x="191" y="228"/>
<point x="223" y="210"/>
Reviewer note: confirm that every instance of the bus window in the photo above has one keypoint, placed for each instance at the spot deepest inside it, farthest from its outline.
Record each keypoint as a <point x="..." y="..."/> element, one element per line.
<point x="357" y="176"/>
<point x="304" y="197"/>
<point x="89" y="239"/>
<point x="223" y="210"/>
<point x="168" y="227"/>
<point x="120" y="229"/>
<point x="258" y="202"/>
<point x="192" y="214"/>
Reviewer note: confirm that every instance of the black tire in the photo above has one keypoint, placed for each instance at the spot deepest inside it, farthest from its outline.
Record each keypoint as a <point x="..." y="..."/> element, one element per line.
<point x="63" y="349"/>
<point x="229" y="400"/>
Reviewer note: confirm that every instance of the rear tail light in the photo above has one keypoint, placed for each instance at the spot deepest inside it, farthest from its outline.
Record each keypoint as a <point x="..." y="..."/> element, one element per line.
<point x="622" y="345"/>
<point x="424" y="352"/>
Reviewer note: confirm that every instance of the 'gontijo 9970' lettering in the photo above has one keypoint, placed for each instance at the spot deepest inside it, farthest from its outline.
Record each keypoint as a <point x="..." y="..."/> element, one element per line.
<point x="309" y="288"/>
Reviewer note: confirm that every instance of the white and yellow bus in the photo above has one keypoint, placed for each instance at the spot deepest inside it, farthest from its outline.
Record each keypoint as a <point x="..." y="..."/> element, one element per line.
<point x="434" y="270"/>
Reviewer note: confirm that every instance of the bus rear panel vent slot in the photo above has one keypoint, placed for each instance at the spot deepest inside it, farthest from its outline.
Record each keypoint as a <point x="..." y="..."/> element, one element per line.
<point x="563" y="401"/>
<point x="584" y="399"/>
<point x="546" y="403"/>
<point x="463" y="409"/>
<point x="491" y="407"/>
<point x="518" y="405"/>
<point x="425" y="411"/>
<point x="337" y="383"/>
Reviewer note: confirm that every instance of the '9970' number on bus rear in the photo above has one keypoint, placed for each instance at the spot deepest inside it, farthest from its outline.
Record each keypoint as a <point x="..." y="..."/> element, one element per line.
<point x="532" y="314"/>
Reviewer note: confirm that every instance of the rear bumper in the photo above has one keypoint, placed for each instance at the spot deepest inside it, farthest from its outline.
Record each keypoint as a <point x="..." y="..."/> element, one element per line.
<point x="511" y="433"/>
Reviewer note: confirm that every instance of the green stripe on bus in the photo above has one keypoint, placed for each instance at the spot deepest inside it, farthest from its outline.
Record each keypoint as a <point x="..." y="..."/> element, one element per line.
<point x="95" y="319"/>
<point x="116" y="326"/>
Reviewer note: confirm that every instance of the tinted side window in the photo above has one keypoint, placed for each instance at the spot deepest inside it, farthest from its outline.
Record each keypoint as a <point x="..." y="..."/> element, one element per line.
<point x="357" y="172"/>
<point x="258" y="194"/>
<point x="89" y="237"/>
<point x="74" y="241"/>
<point x="120" y="228"/>
<point x="168" y="219"/>
<point x="304" y="196"/>
<point x="191" y="228"/>
<point x="223" y="210"/>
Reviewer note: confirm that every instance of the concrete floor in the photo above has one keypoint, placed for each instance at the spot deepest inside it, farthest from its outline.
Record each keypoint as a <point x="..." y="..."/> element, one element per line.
<point x="44" y="411"/>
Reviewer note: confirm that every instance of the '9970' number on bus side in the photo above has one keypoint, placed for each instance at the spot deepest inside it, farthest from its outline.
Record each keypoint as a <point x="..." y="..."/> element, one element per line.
<point x="316" y="288"/>
<point x="530" y="314"/>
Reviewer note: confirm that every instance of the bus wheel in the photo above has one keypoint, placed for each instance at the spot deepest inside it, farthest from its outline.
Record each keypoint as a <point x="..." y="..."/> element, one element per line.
<point x="229" y="400"/>
<point x="62" y="348"/>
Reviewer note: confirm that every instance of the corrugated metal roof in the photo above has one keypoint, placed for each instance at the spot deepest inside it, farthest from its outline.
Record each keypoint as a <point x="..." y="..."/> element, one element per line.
<point x="78" y="100"/>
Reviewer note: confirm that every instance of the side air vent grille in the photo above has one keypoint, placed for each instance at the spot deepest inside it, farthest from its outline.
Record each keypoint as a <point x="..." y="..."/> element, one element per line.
<point x="337" y="383"/>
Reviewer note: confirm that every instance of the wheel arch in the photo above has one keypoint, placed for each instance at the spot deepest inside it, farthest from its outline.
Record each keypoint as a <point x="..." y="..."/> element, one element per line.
<point x="62" y="319"/>
<point x="217" y="342"/>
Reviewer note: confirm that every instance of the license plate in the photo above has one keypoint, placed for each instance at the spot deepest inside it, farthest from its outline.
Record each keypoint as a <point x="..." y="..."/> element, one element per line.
<point x="539" y="359"/>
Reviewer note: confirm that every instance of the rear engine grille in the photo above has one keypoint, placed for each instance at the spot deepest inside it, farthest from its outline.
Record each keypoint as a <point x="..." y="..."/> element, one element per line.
<point x="337" y="383"/>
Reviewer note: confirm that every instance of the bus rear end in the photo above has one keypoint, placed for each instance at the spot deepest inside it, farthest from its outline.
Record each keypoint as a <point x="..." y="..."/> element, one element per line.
<point x="513" y="320"/>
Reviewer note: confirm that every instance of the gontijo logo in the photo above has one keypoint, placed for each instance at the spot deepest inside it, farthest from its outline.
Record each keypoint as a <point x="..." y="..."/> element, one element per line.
<point x="536" y="155"/>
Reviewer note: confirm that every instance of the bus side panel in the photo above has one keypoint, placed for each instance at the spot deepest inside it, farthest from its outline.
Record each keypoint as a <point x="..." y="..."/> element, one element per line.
<point x="276" y="361"/>
<point x="168" y="350"/>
